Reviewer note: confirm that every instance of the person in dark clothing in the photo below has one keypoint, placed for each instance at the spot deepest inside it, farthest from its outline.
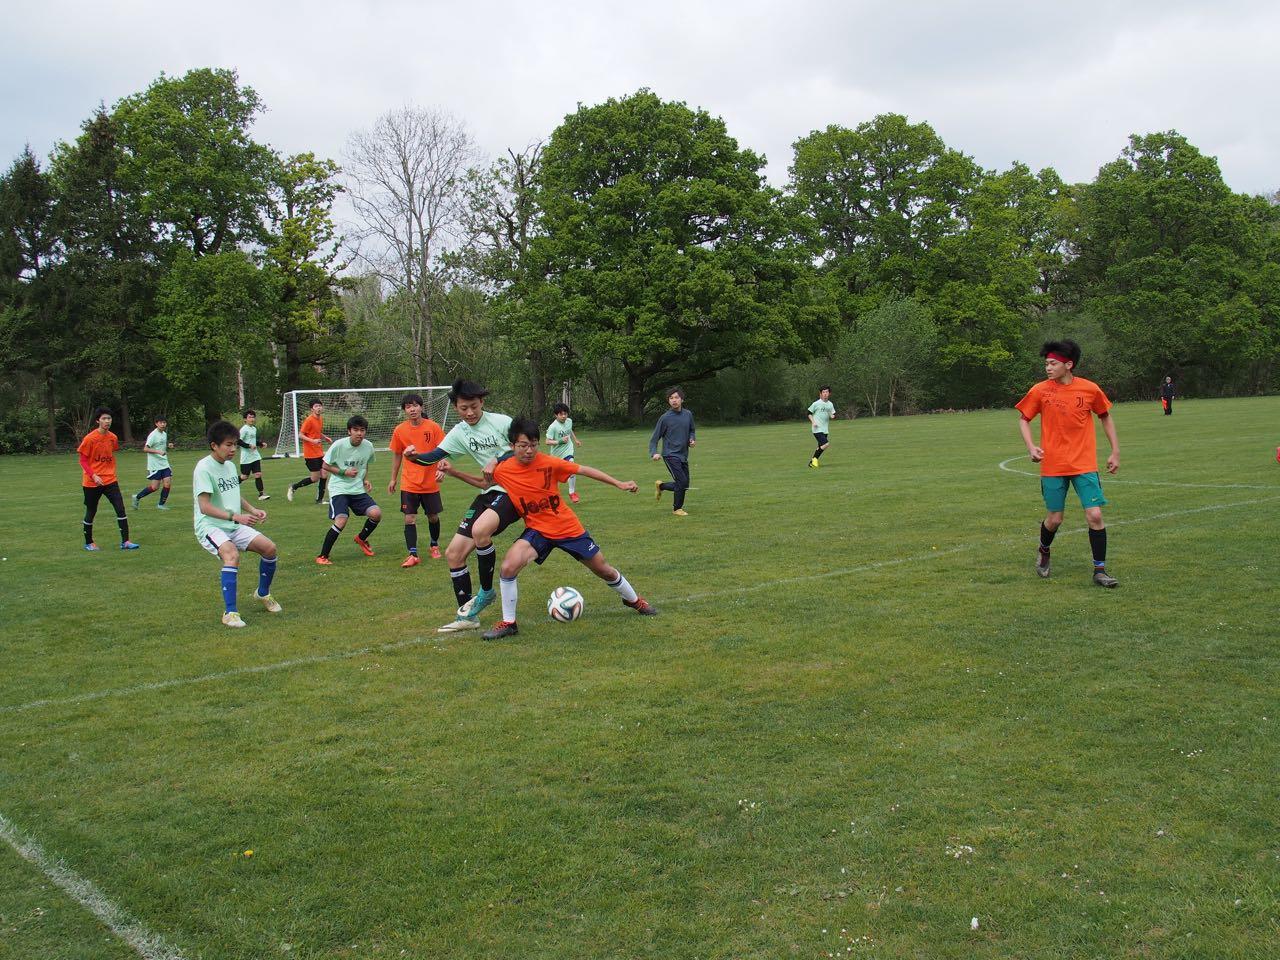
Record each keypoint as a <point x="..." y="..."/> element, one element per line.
<point x="675" y="429"/>
<point x="1167" y="393"/>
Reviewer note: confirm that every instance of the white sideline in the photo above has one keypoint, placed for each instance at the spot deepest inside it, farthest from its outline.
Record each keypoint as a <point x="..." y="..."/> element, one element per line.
<point x="1004" y="465"/>
<point x="148" y="945"/>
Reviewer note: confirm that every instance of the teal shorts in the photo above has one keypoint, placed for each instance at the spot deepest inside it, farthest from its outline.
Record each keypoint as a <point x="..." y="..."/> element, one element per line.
<point x="1088" y="489"/>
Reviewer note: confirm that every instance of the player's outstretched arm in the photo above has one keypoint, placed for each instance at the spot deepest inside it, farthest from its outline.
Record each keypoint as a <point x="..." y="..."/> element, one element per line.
<point x="591" y="472"/>
<point x="449" y="470"/>
<point x="426" y="458"/>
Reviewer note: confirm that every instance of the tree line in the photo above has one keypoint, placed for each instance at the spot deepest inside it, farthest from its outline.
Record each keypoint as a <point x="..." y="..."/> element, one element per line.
<point x="166" y="261"/>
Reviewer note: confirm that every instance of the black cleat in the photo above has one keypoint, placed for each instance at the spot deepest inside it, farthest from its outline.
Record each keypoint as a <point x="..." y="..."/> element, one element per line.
<point x="1042" y="562"/>
<point x="501" y="629"/>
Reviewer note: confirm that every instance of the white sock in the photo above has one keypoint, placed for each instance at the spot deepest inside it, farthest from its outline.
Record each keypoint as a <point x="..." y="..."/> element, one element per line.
<point x="510" y="594"/>
<point x="573" y="484"/>
<point x="625" y="590"/>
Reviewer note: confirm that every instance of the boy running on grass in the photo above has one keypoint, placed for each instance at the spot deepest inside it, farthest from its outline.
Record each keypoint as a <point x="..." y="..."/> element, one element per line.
<point x="419" y="486"/>
<point x="250" y="453"/>
<point x="561" y="439"/>
<point x="532" y="479"/>
<point x="159" y="473"/>
<point x="225" y="522"/>
<point x="313" y="438"/>
<point x="98" y="466"/>
<point x="483" y="435"/>
<point x="821" y="412"/>
<point x="675" y="429"/>
<point x="1067" y="453"/>
<point x="348" y="460"/>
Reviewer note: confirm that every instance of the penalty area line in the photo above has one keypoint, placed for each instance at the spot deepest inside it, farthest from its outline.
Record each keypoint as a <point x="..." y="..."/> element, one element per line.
<point x="148" y="945"/>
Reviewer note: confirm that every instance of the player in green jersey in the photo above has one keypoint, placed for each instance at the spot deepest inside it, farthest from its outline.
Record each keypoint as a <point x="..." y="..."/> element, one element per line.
<point x="347" y="461"/>
<point x="159" y="473"/>
<point x="561" y="439"/>
<point x="821" y="412"/>
<point x="251" y="453"/>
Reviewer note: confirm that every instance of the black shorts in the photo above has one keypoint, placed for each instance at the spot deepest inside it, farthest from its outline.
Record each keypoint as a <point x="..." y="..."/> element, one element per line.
<point x="821" y="439"/>
<point x="254" y="466"/>
<point x="498" y="502"/>
<point x="342" y="504"/>
<point x="314" y="463"/>
<point x="430" y="503"/>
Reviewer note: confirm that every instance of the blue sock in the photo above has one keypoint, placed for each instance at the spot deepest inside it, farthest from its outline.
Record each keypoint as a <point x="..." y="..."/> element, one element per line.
<point x="164" y="494"/>
<point x="144" y="492"/>
<point x="229" y="588"/>
<point x="266" y="570"/>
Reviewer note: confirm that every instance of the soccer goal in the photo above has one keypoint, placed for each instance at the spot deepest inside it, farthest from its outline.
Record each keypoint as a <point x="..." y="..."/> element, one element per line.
<point x="381" y="407"/>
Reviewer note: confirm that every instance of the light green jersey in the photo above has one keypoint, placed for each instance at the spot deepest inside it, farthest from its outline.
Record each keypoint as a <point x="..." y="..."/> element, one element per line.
<point x="561" y="436"/>
<point x="222" y="482"/>
<point x="157" y="440"/>
<point x="345" y="455"/>
<point x="822" y="411"/>
<point x="486" y="441"/>
<point x="249" y="434"/>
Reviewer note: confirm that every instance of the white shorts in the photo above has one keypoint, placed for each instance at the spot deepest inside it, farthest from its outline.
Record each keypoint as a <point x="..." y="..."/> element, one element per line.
<point x="241" y="536"/>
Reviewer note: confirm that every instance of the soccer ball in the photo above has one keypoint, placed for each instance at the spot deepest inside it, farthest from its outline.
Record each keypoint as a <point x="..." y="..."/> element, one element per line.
<point x="565" y="604"/>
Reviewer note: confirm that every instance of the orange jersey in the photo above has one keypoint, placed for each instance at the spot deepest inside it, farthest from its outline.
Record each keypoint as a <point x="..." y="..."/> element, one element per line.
<point x="313" y="426"/>
<point x="100" y="452"/>
<point x="415" y="478"/>
<point x="535" y="493"/>
<point x="1066" y="424"/>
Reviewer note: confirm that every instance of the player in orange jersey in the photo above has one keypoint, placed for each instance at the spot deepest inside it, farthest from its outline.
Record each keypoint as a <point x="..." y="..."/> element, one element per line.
<point x="419" y="485"/>
<point x="313" y="440"/>
<point x="1067" y="452"/>
<point x="98" y="468"/>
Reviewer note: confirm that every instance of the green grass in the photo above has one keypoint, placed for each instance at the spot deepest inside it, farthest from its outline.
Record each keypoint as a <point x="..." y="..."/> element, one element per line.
<point x="859" y="721"/>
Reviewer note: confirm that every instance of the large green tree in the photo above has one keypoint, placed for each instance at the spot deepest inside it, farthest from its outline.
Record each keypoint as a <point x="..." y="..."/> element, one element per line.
<point x="664" y="249"/>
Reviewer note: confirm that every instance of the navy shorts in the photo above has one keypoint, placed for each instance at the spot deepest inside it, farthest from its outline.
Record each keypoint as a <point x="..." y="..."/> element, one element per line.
<point x="341" y="504"/>
<point x="160" y="474"/>
<point x="429" y="502"/>
<point x="253" y="466"/>
<point x="821" y="439"/>
<point x="495" y="500"/>
<point x="580" y="548"/>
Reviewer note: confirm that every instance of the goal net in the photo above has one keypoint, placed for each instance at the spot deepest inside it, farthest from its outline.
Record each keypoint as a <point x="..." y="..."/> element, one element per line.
<point x="381" y="407"/>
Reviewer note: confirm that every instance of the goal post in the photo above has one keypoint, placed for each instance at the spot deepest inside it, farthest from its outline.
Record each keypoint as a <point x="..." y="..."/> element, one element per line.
<point x="380" y="406"/>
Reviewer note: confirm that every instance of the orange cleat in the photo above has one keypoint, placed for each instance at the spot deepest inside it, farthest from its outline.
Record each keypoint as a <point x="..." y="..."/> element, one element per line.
<point x="364" y="547"/>
<point x="435" y="552"/>
<point x="324" y="561"/>
<point x="410" y="561"/>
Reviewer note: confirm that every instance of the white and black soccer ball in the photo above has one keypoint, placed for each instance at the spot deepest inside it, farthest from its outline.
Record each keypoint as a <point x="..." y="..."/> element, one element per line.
<point x="565" y="604"/>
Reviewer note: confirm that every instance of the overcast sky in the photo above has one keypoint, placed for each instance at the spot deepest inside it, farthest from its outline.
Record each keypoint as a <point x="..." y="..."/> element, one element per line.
<point x="1058" y="84"/>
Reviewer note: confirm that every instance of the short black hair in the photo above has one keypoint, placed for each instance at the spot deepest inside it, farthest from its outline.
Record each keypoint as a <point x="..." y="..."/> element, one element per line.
<point x="524" y="427"/>
<point x="221" y="431"/>
<point x="1063" y="348"/>
<point x="357" y="421"/>
<point x="828" y="389"/>
<point x="250" y="413"/>
<point x="674" y="390"/>
<point x="410" y="398"/>
<point x="560" y="408"/>
<point x="466" y="390"/>
<point x="314" y="402"/>
<point x="160" y="418"/>
<point x="99" y="412"/>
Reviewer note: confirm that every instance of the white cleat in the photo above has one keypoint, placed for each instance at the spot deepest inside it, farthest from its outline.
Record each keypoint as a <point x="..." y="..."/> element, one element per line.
<point x="269" y="602"/>
<point x="459" y="625"/>
<point x="232" y="619"/>
<point x="288" y="494"/>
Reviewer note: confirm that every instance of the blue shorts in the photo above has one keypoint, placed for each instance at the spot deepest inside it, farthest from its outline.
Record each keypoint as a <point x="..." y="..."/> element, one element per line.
<point x="160" y="474"/>
<point x="341" y="504"/>
<point x="1088" y="489"/>
<point x="580" y="548"/>
<point x="821" y="439"/>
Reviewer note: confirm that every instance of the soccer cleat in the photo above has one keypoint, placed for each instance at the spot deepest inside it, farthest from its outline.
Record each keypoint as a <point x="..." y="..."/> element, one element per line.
<point x="1042" y="562"/>
<point x="162" y="506"/>
<point x="813" y="462"/>
<point x="679" y="513"/>
<point x="457" y="626"/>
<point x="364" y="546"/>
<point x="91" y="547"/>
<point x="129" y="545"/>
<point x="503" y="628"/>
<point x="435" y="552"/>
<point x="1104" y="579"/>
<point x="642" y="606"/>
<point x="574" y="498"/>
<point x="264" y="496"/>
<point x="324" y="561"/>
<point x="657" y="489"/>
<point x="477" y="603"/>
<point x="270" y="602"/>
<point x="288" y="494"/>
<point x="232" y="619"/>
<point x="136" y="501"/>
<point x="410" y="561"/>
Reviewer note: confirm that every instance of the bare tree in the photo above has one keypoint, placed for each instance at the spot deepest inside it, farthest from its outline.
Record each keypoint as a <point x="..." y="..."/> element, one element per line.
<point x="406" y="187"/>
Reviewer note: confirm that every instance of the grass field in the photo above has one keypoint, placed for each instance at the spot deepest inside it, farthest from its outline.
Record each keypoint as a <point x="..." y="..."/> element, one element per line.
<point x="859" y="722"/>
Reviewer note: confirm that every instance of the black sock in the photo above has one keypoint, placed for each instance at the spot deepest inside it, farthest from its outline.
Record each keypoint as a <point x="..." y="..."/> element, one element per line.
<point x="817" y="454"/>
<point x="486" y="560"/>
<point x="306" y="482"/>
<point x="370" y="525"/>
<point x="330" y="539"/>
<point x="144" y="492"/>
<point x="411" y="537"/>
<point x="461" y="584"/>
<point x="257" y="481"/>
<point x="88" y="532"/>
<point x="1046" y="537"/>
<point x="434" y="527"/>
<point x="324" y="482"/>
<point x="123" y="523"/>
<point x="1098" y="543"/>
<point x="164" y="494"/>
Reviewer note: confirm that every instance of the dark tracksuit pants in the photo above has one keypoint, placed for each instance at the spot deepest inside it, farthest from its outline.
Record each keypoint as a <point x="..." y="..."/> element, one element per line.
<point x="679" y="470"/>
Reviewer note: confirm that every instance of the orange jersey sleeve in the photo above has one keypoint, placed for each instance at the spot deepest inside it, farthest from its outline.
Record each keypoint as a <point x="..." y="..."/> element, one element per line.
<point x="535" y="493"/>
<point x="414" y="477"/>
<point x="313" y="426"/>
<point x="1067" y="430"/>
<point x="100" y="452"/>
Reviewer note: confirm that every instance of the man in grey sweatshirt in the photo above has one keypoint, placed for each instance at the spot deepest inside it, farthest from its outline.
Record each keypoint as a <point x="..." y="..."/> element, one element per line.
<point x="675" y="429"/>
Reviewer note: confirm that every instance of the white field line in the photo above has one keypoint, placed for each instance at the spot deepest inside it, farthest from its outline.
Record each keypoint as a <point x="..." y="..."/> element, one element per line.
<point x="749" y="588"/>
<point x="1004" y="465"/>
<point x="148" y="945"/>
